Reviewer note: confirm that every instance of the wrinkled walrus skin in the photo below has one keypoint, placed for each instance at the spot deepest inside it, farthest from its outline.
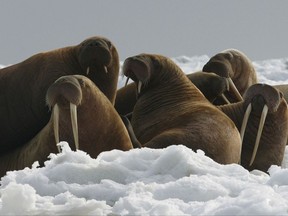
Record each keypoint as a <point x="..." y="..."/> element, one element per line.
<point x="100" y="128"/>
<point x="171" y="110"/>
<point x="23" y="112"/>
<point x="210" y="84"/>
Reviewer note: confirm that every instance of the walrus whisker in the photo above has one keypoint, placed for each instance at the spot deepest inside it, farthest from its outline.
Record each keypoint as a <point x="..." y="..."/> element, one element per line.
<point x="127" y="80"/>
<point x="234" y="89"/>
<point x="139" y="87"/>
<point x="259" y="133"/>
<point x="73" y="112"/>
<point x="225" y="98"/>
<point x="56" y="125"/>
<point x="88" y="70"/>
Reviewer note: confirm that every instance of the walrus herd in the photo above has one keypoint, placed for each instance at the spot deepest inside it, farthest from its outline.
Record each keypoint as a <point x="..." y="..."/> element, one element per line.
<point x="70" y="94"/>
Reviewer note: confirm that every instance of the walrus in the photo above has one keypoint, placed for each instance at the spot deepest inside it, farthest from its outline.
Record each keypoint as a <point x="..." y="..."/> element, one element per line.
<point x="210" y="84"/>
<point x="171" y="110"/>
<point x="23" y="112"/>
<point x="237" y="67"/>
<point x="81" y="115"/>
<point x="262" y="119"/>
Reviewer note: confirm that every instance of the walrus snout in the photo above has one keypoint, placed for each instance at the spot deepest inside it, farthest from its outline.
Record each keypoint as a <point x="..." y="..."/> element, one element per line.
<point x="219" y="84"/>
<point x="64" y="90"/>
<point x="95" y="52"/>
<point x="224" y="70"/>
<point x="258" y="103"/>
<point x="217" y="67"/>
<point x="269" y="96"/>
<point x="137" y="68"/>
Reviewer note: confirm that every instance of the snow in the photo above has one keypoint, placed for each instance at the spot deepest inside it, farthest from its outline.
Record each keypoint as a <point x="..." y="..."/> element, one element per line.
<point x="170" y="181"/>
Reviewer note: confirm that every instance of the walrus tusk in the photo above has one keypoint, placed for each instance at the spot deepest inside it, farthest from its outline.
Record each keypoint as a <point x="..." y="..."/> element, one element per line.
<point x="227" y="83"/>
<point x="243" y="126"/>
<point x="139" y="87"/>
<point x="88" y="70"/>
<point x="73" y="112"/>
<point x="225" y="99"/>
<point x="105" y="69"/>
<point x="245" y="120"/>
<point x="127" y="80"/>
<point x="234" y="89"/>
<point x="56" y="125"/>
<point x="223" y="95"/>
<point x="259" y="133"/>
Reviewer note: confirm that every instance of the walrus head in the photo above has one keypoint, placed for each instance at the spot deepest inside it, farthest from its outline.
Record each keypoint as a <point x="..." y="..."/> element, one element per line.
<point x="99" y="61"/>
<point x="95" y="52"/>
<point x="139" y="69"/>
<point x="225" y="64"/>
<point x="210" y="84"/>
<point x="254" y="96"/>
<point x="65" y="92"/>
<point x="260" y="105"/>
<point x="146" y="69"/>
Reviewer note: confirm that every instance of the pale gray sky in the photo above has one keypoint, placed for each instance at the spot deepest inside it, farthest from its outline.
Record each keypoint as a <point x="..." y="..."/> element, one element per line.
<point x="168" y="27"/>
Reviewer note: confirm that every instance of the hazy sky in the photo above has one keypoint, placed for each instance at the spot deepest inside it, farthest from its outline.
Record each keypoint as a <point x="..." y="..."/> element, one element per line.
<point x="259" y="28"/>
